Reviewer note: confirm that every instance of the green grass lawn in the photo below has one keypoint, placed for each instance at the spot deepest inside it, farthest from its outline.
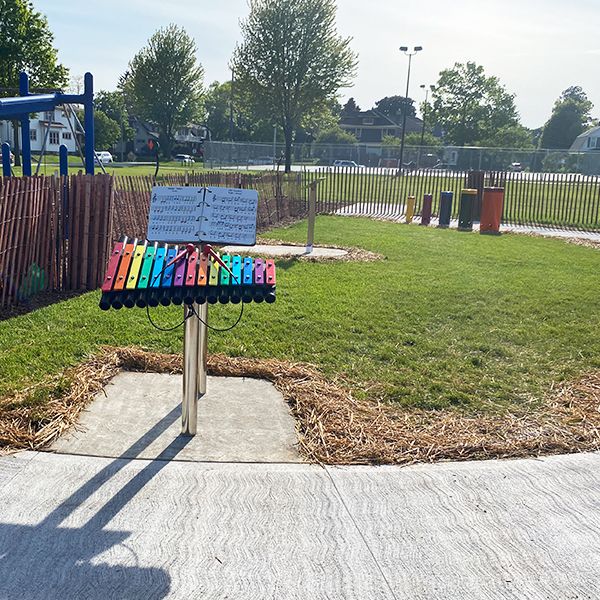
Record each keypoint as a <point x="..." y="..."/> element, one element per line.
<point x="50" y="165"/>
<point x="448" y="319"/>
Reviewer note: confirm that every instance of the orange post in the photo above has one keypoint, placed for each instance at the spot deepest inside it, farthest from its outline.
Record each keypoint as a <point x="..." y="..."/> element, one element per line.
<point x="492" y="205"/>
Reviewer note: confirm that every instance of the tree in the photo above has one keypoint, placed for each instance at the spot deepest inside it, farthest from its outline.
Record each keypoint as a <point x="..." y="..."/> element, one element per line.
<point x="26" y="44"/>
<point x="292" y="61"/>
<point x="510" y="136"/>
<point x="163" y="84"/>
<point x="351" y="108"/>
<point x="107" y="131"/>
<point x="393" y="106"/>
<point x="470" y="106"/>
<point x="570" y="117"/>
<point x="414" y="139"/>
<point x="336" y="135"/>
<point x="112" y="104"/>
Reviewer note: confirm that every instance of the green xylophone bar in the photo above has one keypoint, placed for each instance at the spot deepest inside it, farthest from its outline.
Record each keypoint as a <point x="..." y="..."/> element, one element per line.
<point x="139" y="274"/>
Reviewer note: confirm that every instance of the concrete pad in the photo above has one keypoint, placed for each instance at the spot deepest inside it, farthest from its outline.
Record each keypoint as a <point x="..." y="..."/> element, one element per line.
<point x="139" y="416"/>
<point x="97" y="528"/>
<point x="281" y="250"/>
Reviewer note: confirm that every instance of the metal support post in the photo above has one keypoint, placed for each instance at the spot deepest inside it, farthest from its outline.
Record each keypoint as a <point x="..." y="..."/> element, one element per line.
<point x="312" y="211"/>
<point x="202" y="312"/>
<point x="189" y="404"/>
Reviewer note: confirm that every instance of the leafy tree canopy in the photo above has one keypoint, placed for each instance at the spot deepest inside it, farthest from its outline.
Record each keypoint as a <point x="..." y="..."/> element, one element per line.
<point x="394" y="106"/>
<point x="163" y="84"/>
<point x="291" y="61"/>
<point x="470" y="106"/>
<point x="112" y="104"/>
<point x="351" y="108"/>
<point x="510" y="136"/>
<point x="336" y="135"/>
<point x="570" y="117"/>
<point x="26" y="44"/>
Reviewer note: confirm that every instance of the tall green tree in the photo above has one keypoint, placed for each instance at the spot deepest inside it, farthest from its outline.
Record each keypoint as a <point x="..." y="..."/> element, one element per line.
<point x="570" y="117"/>
<point x="107" y="131"/>
<point x="112" y="104"/>
<point x="394" y="106"/>
<point x="351" y="108"/>
<point x="163" y="84"/>
<point x="27" y="44"/>
<point x="291" y="60"/>
<point x="470" y="106"/>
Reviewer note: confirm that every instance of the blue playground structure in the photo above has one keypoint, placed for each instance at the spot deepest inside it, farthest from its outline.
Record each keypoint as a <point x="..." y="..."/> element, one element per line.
<point x="22" y="106"/>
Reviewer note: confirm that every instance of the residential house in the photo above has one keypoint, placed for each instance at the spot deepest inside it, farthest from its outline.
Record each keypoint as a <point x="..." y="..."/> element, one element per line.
<point x="371" y="126"/>
<point x="56" y="126"/>
<point x="588" y="141"/>
<point x="188" y="140"/>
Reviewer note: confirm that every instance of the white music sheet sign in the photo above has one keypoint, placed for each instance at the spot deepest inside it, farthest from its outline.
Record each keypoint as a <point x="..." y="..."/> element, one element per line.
<point x="212" y="214"/>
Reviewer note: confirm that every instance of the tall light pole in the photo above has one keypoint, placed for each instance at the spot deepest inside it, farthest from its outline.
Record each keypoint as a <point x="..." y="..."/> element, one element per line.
<point x="410" y="54"/>
<point x="424" y="87"/>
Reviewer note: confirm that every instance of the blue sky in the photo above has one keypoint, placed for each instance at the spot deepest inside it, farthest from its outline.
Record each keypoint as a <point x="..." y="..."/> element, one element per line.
<point x="536" y="47"/>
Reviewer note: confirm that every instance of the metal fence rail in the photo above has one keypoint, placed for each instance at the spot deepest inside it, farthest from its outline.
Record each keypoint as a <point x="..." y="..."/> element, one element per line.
<point x="546" y="199"/>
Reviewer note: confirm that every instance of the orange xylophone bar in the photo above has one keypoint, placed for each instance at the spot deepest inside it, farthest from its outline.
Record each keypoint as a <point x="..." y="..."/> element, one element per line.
<point x="143" y="274"/>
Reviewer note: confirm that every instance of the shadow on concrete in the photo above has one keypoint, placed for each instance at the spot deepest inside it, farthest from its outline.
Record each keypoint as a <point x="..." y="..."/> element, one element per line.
<point x="53" y="562"/>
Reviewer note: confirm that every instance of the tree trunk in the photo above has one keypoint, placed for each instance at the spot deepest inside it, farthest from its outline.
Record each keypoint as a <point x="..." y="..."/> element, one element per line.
<point x="289" y="134"/>
<point x="17" y="146"/>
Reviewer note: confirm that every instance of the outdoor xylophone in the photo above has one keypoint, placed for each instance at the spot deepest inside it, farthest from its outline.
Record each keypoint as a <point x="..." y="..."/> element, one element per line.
<point x="143" y="274"/>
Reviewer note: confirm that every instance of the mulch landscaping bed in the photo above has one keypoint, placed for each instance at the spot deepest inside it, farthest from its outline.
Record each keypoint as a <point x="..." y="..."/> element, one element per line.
<point x="333" y="426"/>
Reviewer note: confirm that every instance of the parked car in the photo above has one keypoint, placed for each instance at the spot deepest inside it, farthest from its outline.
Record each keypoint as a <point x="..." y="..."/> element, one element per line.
<point x="103" y="157"/>
<point x="345" y="163"/>
<point x="517" y="167"/>
<point x="184" y="159"/>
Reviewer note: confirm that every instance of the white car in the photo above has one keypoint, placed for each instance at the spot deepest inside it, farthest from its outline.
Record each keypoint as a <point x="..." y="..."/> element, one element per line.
<point x="103" y="157"/>
<point x="345" y="163"/>
<point x="184" y="159"/>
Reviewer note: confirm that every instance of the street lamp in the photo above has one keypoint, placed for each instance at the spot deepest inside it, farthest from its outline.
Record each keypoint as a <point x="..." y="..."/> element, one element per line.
<point x="410" y="54"/>
<point x="424" y="87"/>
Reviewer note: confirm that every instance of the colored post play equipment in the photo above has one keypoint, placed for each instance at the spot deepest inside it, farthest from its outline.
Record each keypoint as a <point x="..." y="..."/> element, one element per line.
<point x="492" y="206"/>
<point x="410" y="209"/>
<point x="20" y="108"/>
<point x="468" y="197"/>
<point x="426" y="212"/>
<point x="177" y="265"/>
<point x="445" y="209"/>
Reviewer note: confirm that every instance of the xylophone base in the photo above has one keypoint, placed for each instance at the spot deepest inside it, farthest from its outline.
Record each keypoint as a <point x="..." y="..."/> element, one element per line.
<point x="195" y="345"/>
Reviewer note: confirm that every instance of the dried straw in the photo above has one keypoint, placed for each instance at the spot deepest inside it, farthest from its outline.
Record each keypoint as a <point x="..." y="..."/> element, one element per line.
<point x="333" y="426"/>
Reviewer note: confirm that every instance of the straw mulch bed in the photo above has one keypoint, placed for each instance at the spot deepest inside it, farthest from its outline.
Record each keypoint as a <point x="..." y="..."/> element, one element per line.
<point x="353" y="254"/>
<point x="333" y="426"/>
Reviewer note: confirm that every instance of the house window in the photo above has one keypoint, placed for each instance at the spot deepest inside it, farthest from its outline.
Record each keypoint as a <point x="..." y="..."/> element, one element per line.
<point x="358" y="133"/>
<point x="50" y="115"/>
<point x="33" y="135"/>
<point x="66" y="136"/>
<point x="368" y="121"/>
<point x="54" y="137"/>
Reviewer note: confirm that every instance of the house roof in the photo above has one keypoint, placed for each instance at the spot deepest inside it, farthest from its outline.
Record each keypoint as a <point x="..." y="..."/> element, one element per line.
<point x="580" y="140"/>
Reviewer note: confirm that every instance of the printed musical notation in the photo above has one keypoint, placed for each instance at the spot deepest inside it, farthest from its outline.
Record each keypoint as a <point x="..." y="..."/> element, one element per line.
<point x="192" y="214"/>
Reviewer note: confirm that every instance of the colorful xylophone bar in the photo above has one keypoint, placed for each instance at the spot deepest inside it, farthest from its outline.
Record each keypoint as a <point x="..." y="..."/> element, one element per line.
<point x="140" y="274"/>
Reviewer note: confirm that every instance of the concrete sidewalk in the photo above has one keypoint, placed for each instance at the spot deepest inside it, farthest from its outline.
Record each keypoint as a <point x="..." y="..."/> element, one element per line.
<point x="97" y="528"/>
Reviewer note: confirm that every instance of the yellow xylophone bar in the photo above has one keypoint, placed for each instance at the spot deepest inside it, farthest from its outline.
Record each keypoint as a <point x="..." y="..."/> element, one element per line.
<point x="139" y="275"/>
